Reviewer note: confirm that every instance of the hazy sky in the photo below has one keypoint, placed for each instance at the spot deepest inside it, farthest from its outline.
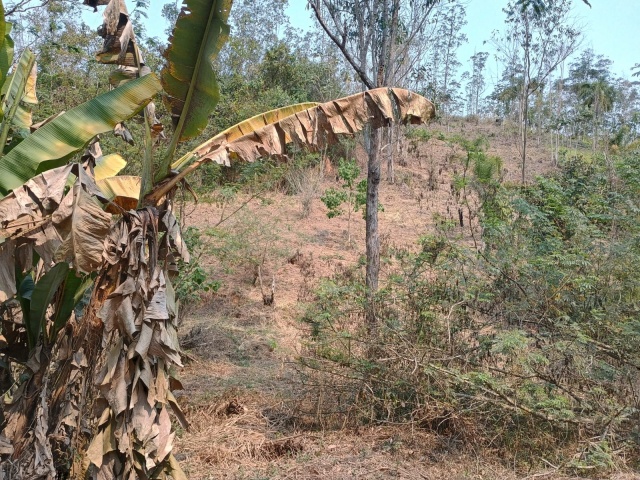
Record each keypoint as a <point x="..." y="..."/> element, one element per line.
<point x="611" y="28"/>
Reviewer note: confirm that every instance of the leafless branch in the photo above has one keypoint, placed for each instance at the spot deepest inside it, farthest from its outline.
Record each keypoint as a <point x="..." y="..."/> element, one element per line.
<point x="341" y="44"/>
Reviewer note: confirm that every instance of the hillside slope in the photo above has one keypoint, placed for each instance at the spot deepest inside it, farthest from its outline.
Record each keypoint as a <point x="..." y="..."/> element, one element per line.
<point x="252" y="415"/>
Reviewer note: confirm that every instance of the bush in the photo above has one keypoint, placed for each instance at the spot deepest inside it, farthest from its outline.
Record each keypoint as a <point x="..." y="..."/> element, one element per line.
<point x="529" y="343"/>
<point x="193" y="281"/>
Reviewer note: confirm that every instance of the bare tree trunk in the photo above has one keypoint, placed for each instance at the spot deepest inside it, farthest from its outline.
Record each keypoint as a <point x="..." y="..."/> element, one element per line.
<point x="372" y="234"/>
<point x="595" y="132"/>
<point x="390" y="167"/>
<point x="524" y="125"/>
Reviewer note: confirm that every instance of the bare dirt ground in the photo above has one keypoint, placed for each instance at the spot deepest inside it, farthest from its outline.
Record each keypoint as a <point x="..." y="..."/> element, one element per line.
<point x="242" y="393"/>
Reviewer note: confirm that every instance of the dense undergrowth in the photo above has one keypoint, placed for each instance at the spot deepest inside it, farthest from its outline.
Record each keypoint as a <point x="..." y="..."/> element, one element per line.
<point x="524" y="338"/>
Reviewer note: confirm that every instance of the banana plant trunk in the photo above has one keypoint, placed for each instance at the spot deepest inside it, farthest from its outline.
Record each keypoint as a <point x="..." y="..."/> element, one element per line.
<point x="98" y="399"/>
<point x="49" y="426"/>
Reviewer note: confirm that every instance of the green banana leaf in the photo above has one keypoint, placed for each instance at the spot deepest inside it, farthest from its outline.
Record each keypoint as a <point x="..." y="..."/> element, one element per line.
<point x="73" y="290"/>
<point x="23" y="117"/>
<point x="188" y="78"/>
<point x="54" y="143"/>
<point x="6" y="47"/>
<point x="21" y="85"/>
<point x="41" y="297"/>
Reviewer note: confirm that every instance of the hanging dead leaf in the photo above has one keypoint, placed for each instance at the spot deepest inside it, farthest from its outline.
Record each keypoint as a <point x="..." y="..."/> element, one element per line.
<point x="89" y="226"/>
<point x="118" y="35"/>
<point x="313" y="128"/>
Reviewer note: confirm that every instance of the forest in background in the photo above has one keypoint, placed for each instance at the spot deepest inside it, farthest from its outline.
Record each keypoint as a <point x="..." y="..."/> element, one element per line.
<point x="513" y="323"/>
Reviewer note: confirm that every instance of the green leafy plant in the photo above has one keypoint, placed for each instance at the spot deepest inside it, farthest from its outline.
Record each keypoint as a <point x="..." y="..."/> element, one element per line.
<point x="523" y="341"/>
<point x="353" y="194"/>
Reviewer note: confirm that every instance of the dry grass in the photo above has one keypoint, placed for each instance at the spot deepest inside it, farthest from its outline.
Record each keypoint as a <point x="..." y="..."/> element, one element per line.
<point x="306" y="183"/>
<point x="251" y="417"/>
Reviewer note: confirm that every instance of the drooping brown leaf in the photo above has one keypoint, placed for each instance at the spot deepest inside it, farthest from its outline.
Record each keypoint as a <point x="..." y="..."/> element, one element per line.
<point x="47" y="188"/>
<point x="5" y="446"/>
<point x="317" y="127"/>
<point x="83" y="245"/>
<point x="38" y="215"/>
<point x="24" y="217"/>
<point x="43" y="461"/>
<point x="121" y="130"/>
<point x="314" y="128"/>
<point x="118" y="35"/>
<point x="174" y="234"/>
<point x="7" y="270"/>
<point x="134" y="381"/>
<point x="46" y="242"/>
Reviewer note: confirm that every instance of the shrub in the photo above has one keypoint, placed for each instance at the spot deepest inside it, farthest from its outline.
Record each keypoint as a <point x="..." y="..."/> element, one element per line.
<point x="529" y="343"/>
<point x="193" y="281"/>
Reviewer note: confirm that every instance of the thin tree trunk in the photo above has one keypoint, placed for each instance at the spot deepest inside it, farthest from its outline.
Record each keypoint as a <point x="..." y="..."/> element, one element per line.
<point x="525" y="124"/>
<point x="390" y="168"/>
<point x="372" y="234"/>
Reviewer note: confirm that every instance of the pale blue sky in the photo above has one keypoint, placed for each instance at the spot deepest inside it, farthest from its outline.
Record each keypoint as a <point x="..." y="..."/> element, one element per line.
<point x="610" y="27"/>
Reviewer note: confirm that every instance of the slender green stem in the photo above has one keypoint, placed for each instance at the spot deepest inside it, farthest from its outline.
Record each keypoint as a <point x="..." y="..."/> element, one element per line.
<point x="147" y="163"/>
<point x="175" y="139"/>
<point x="8" y="116"/>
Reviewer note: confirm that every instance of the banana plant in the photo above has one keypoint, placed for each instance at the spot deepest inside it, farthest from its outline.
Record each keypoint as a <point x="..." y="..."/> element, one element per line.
<point x="123" y="351"/>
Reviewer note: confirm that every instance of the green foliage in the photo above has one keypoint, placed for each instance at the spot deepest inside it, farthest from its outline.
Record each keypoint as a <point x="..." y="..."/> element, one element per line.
<point x="60" y="287"/>
<point x="53" y="144"/>
<point x="352" y="193"/>
<point x="188" y="79"/>
<point x="42" y="295"/>
<point x="419" y="134"/>
<point x="193" y="280"/>
<point x="348" y="172"/>
<point x="333" y="200"/>
<point x="532" y="339"/>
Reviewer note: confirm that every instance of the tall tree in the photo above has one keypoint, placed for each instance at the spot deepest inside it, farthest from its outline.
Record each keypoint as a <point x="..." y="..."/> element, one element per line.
<point x="375" y="37"/>
<point x="536" y="41"/>
<point x="476" y="83"/>
<point x="442" y="61"/>
<point x="591" y="83"/>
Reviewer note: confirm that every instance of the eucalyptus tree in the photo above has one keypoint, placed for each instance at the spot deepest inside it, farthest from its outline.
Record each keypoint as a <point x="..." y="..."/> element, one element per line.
<point x="376" y="37"/>
<point x="535" y="42"/>
<point x="476" y="83"/>
<point x="442" y="63"/>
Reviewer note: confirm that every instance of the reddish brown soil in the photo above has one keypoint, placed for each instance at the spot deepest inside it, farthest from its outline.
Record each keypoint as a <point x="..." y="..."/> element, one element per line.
<point x="242" y="391"/>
